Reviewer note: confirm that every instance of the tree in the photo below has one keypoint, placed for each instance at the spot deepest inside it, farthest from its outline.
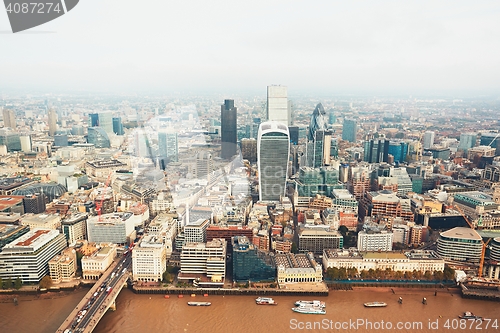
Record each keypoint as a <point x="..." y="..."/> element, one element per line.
<point x="8" y="283"/>
<point x="18" y="283"/>
<point x="46" y="282"/>
<point x="343" y="230"/>
<point x="167" y="277"/>
<point x="448" y="273"/>
<point x="295" y="249"/>
<point x="438" y="275"/>
<point x="428" y="275"/>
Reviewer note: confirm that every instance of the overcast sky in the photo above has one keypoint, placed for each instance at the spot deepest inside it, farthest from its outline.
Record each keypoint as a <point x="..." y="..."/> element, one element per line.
<point x="238" y="46"/>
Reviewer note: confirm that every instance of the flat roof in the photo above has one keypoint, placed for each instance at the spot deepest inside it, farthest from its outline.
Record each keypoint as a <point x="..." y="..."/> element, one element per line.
<point x="383" y="255"/>
<point x="462" y="233"/>
<point x="34" y="239"/>
<point x="7" y="201"/>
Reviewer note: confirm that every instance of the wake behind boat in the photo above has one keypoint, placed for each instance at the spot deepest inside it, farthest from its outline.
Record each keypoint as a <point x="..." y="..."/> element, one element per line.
<point x="375" y="304"/>
<point x="265" y="301"/>
<point x="199" y="303"/>
<point x="309" y="310"/>
<point x="314" y="303"/>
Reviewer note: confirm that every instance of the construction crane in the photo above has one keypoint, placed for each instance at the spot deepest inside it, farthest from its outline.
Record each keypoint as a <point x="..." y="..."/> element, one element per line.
<point x="483" y="243"/>
<point x="494" y="139"/>
<point x="100" y="202"/>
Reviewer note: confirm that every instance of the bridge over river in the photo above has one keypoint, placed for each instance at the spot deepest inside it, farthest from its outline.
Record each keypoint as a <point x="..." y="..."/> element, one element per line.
<point x="101" y="297"/>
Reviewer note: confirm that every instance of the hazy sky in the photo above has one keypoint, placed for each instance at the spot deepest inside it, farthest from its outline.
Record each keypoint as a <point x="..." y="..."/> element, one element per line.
<point x="237" y="46"/>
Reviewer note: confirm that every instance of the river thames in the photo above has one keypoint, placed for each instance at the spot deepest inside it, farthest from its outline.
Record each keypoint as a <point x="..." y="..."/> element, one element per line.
<point x="345" y="313"/>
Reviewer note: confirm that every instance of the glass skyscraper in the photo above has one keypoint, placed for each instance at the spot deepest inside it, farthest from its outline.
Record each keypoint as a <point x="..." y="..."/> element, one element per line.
<point x="278" y="108"/>
<point x="168" y="149"/>
<point x="349" y="130"/>
<point x="228" y="129"/>
<point x="98" y="137"/>
<point x="273" y="150"/>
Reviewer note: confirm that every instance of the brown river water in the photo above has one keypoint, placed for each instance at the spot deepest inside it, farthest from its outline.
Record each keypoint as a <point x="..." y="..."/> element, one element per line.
<point x="345" y="313"/>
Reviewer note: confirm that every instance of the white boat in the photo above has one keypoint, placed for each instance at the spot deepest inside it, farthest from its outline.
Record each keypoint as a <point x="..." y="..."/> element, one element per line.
<point x="309" y="309"/>
<point x="199" y="303"/>
<point x="469" y="315"/>
<point x="375" y="304"/>
<point x="265" y="301"/>
<point x="314" y="303"/>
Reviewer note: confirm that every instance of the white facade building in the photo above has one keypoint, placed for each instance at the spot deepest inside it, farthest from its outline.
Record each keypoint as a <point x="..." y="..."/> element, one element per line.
<point x="149" y="259"/>
<point x="93" y="266"/>
<point x="418" y="260"/>
<point x="28" y="256"/>
<point x="196" y="232"/>
<point x="278" y="108"/>
<point x="204" y="262"/>
<point x="375" y="241"/>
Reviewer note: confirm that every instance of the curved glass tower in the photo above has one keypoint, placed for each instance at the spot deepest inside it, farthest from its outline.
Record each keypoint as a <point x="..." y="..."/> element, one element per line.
<point x="273" y="149"/>
<point x="318" y="121"/>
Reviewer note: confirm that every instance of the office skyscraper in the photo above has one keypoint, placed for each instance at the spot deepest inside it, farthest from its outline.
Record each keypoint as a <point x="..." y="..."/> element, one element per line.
<point x="93" y="120"/>
<point x="273" y="149"/>
<point x="9" y="118"/>
<point x="52" y="119"/>
<point x="467" y="141"/>
<point x="278" y="108"/>
<point x="228" y="129"/>
<point x="376" y="151"/>
<point x="428" y="139"/>
<point x="168" y="149"/>
<point x="118" y="126"/>
<point x="349" y="130"/>
<point x="318" y="121"/>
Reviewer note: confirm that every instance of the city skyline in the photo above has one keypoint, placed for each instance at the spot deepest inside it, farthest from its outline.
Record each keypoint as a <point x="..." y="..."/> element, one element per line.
<point x="383" y="47"/>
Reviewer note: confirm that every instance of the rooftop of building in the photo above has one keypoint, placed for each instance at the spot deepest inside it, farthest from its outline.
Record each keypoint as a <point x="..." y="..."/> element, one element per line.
<point x="422" y="254"/>
<point x="9" y="217"/>
<point x="462" y="233"/>
<point x="214" y="243"/>
<point x="383" y="255"/>
<point x="106" y="163"/>
<point x="34" y="239"/>
<point x="111" y="218"/>
<point x="8" y="229"/>
<point x="74" y="218"/>
<point x="13" y="182"/>
<point x="342" y="194"/>
<point x="7" y="201"/>
<point x="320" y="231"/>
<point x="290" y="260"/>
<point x="41" y="219"/>
<point x="197" y="223"/>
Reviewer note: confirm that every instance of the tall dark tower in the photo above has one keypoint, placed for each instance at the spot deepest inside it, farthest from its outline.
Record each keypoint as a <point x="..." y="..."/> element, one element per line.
<point x="228" y="129"/>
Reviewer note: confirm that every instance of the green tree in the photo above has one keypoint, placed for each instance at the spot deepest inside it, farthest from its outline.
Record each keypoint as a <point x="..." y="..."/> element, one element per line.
<point x="428" y="275"/>
<point x="8" y="283"/>
<point x="438" y="275"/>
<point x="364" y="274"/>
<point x="448" y="273"/>
<point x="343" y="230"/>
<point x="18" y="283"/>
<point x="295" y="249"/>
<point x="46" y="282"/>
<point x="167" y="277"/>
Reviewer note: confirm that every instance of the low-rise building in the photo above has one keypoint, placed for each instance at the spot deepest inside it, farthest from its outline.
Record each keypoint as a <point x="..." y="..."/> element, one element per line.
<point x="95" y="264"/>
<point x="415" y="260"/>
<point x="296" y="268"/>
<point x="62" y="267"/>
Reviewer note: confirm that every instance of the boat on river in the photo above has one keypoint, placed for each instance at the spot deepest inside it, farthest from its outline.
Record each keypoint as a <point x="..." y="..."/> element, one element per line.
<point x="375" y="304"/>
<point x="199" y="303"/>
